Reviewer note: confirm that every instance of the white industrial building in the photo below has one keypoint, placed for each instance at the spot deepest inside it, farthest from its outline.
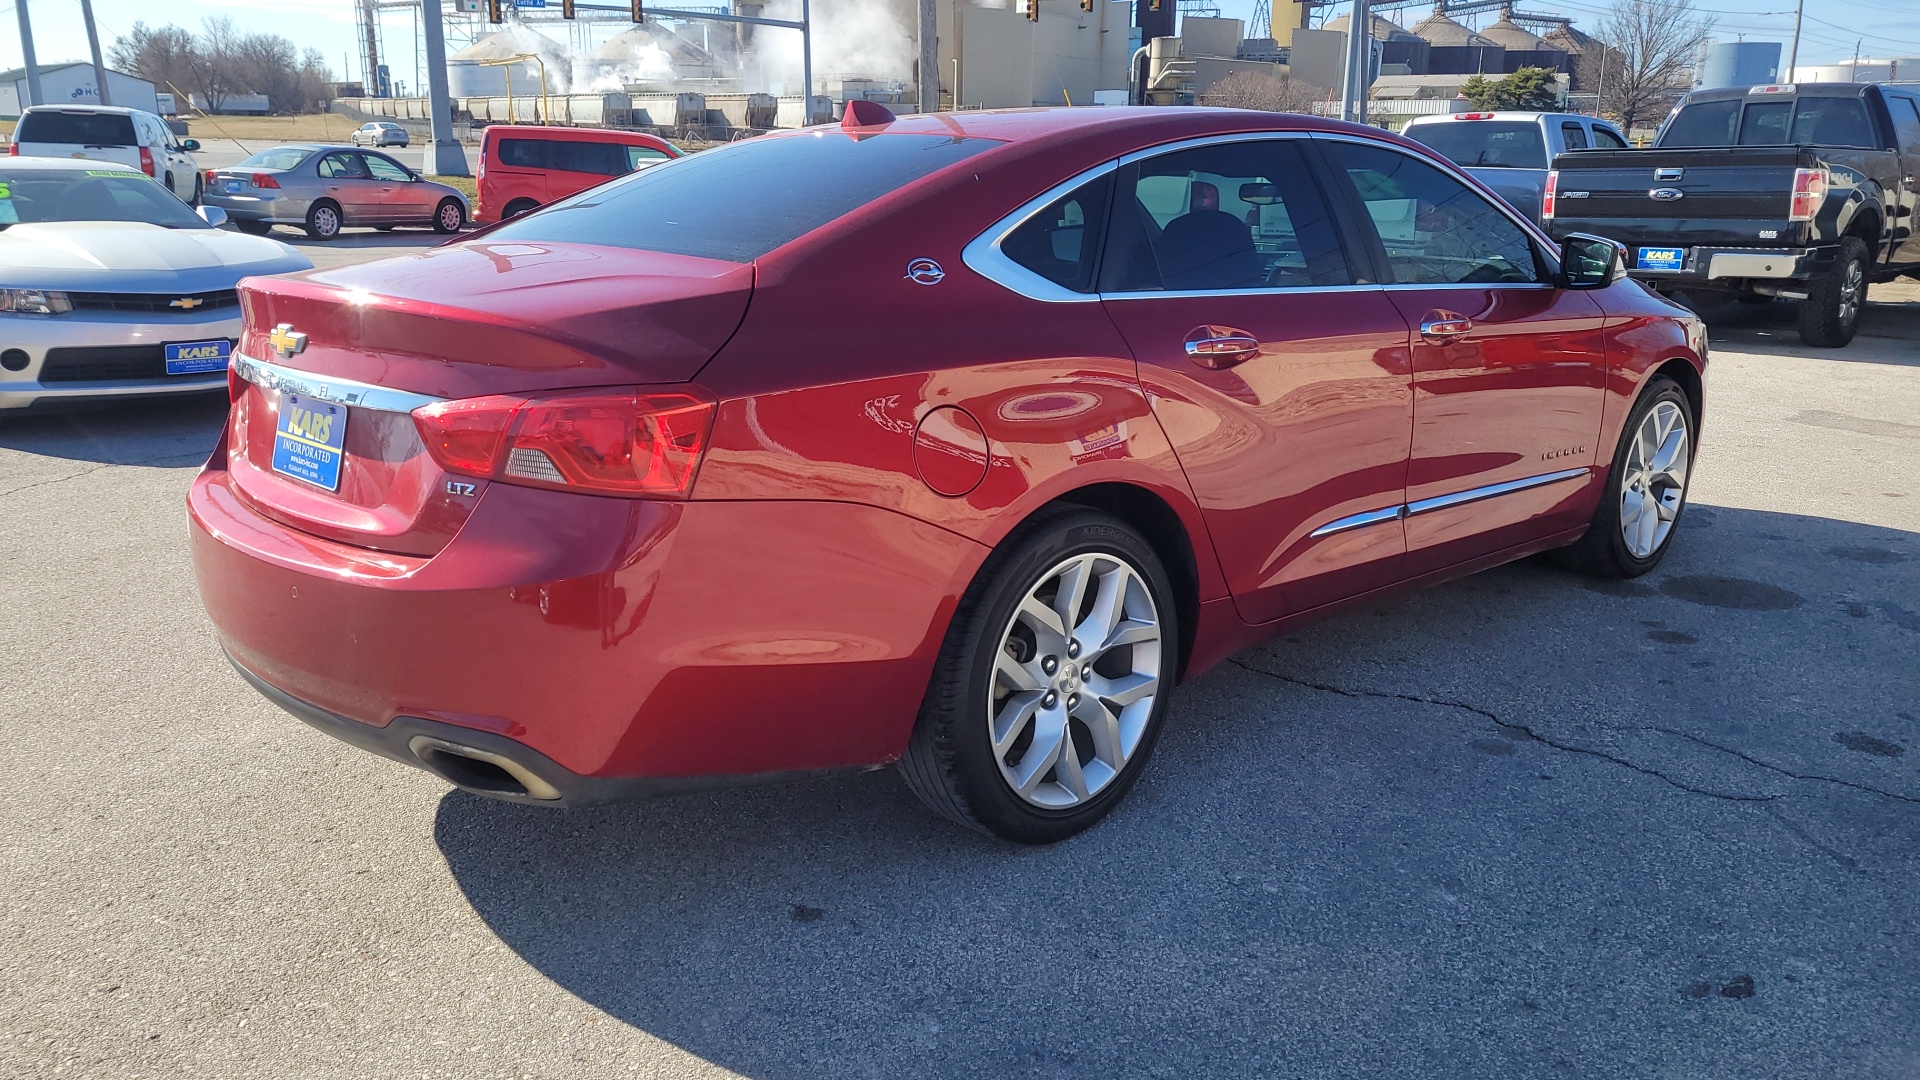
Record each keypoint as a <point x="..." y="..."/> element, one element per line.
<point x="74" y="84"/>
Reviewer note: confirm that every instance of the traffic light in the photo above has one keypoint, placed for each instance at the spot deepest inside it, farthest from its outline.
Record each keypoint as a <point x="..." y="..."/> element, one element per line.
<point x="566" y="9"/>
<point x="493" y="12"/>
<point x="639" y="11"/>
<point x="1086" y="5"/>
<point x="1033" y="10"/>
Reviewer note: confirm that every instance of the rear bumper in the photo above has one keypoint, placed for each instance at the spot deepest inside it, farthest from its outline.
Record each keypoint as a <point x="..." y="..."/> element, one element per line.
<point x="1731" y="266"/>
<point x="275" y="210"/>
<point x="36" y="335"/>
<point x="613" y="648"/>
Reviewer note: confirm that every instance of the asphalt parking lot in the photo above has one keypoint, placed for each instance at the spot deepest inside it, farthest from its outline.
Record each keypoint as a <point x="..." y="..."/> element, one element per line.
<point x="1521" y="825"/>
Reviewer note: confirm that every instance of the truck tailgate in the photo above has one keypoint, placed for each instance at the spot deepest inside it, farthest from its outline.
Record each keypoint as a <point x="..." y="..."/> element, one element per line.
<point x="1731" y="197"/>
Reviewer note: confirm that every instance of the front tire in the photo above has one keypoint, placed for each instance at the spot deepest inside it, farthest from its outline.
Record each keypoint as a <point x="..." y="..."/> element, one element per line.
<point x="1830" y="315"/>
<point x="199" y="190"/>
<point x="253" y="228"/>
<point x="1646" y="488"/>
<point x="1049" y="692"/>
<point x="323" y="220"/>
<point x="449" y="216"/>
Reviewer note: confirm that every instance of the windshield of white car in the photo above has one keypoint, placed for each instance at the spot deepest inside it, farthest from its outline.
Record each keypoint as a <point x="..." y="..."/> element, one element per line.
<point x="35" y="196"/>
<point x="280" y="157"/>
<point x="1486" y="144"/>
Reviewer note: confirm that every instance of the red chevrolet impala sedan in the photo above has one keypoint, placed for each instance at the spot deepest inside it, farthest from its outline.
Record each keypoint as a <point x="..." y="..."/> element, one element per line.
<point x="951" y="442"/>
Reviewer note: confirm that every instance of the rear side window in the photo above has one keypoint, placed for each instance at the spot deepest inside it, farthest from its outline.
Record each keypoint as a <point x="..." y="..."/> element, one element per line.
<point x="1574" y="135"/>
<point x="1705" y="123"/>
<point x="740" y="201"/>
<point x="87" y="129"/>
<point x="522" y="153"/>
<point x="1061" y="242"/>
<point x="1494" y="144"/>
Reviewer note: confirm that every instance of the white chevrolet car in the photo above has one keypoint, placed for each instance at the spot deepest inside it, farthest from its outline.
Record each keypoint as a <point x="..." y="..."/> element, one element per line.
<point x="110" y="286"/>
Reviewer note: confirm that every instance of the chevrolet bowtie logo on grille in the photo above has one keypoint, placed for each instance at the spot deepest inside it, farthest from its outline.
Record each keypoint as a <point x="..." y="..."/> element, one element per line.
<point x="287" y="341"/>
<point x="187" y="303"/>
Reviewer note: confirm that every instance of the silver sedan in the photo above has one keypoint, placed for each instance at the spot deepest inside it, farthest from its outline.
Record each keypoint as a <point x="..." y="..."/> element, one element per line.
<point x="324" y="189"/>
<point x="379" y="133"/>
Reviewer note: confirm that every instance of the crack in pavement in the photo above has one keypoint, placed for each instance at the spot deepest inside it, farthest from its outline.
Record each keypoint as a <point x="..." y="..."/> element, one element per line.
<point x="184" y="458"/>
<point x="1530" y="734"/>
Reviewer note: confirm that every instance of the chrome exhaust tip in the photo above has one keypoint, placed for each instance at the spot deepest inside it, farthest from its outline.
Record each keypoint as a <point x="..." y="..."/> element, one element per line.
<point x="481" y="771"/>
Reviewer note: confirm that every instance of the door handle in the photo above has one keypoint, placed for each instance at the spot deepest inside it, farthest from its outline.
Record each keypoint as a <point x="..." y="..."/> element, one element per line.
<point x="1219" y="347"/>
<point x="1444" y="327"/>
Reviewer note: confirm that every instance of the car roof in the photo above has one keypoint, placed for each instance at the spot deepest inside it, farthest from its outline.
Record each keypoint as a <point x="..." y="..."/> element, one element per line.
<point x="1503" y="114"/>
<point x="31" y="164"/>
<point x="541" y="131"/>
<point x="120" y="109"/>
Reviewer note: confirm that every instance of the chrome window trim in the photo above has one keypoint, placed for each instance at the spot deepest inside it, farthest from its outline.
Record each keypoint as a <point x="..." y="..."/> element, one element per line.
<point x="1188" y="294"/>
<point x="1550" y="252"/>
<point x="1442" y="502"/>
<point x="983" y="256"/>
<point x="328" y="388"/>
<point x="1461" y="498"/>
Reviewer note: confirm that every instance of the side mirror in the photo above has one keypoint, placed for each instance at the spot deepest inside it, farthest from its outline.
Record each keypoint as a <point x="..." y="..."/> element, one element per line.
<point x="213" y="216"/>
<point x="192" y="146"/>
<point x="1591" y="262"/>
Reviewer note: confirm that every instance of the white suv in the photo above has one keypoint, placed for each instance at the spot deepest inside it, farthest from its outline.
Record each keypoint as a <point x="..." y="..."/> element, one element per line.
<point x="109" y="133"/>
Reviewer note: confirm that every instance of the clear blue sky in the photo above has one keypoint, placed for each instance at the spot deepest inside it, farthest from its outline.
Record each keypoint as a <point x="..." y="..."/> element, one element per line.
<point x="1888" y="27"/>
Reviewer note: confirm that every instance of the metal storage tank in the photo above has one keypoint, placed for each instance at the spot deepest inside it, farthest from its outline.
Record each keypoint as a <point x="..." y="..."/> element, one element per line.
<point x="1737" y="63"/>
<point x="466" y="77"/>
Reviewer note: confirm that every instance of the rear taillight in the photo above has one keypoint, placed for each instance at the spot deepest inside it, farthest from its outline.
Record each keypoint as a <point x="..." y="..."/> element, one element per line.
<point x="13" y="149"/>
<point x="146" y="161"/>
<point x="605" y="442"/>
<point x="210" y="178"/>
<point x="1809" y="191"/>
<point x="1547" y="194"/>
<point x="265" y="180"/>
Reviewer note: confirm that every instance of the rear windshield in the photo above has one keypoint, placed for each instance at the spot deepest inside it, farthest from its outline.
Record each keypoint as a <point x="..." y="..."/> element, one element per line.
<point x="1496" y="144"/>
<point x="1807" y="121"/>
<point x="28" y="196"/>
<point x="741" y="201"/>
<point x="84" y="128"/>
<point x="280" y="157"/>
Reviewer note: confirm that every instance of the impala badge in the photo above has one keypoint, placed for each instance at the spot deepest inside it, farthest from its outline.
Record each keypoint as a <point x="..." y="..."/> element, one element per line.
<point x="1666" y="194"/>
<point x="287" y="341"/>
<point x="925" y="272"/>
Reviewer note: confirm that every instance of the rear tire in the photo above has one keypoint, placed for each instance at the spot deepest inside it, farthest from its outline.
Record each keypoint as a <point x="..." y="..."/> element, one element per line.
<point x="1648" y="476"/>
<point x="1035" y="726"/>
<point x="1830" y="315"/>
<point x="323" y="220"/>
<point x="519" y="206"/>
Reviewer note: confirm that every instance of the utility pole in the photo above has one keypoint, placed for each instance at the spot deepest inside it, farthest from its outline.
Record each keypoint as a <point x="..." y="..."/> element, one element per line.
<point x="1793" y="54"/>
<point x="1353" y="101"/>
<point x="806" y="62"/>
<point x="929" y="59"/>
<point x="93" y="43"/>
<point x="34" y="97"/>
<point x="448" y="159"/>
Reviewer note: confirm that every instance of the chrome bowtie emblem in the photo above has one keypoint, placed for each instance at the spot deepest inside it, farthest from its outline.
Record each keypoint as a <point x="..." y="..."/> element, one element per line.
<point x="187" y="303"/>
<point x="1666" y="194"/>
<point x="925" y="272"/>
<point x="287" y="341"/>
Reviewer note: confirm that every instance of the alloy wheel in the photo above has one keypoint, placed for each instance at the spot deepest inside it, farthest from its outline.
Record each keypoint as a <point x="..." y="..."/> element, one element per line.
<point x="1074" y="681"/>
<point x="1654" y="484"/>
<point x="1850" y="289"/>
<point x="450" y="218"/>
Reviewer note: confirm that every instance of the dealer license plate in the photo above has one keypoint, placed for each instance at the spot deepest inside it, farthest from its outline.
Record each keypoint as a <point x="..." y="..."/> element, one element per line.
<point x="309" y="441"/>
<point x="198" y="357"/>
<point x="233" y="186"/>
<point x="1661" y="258"/>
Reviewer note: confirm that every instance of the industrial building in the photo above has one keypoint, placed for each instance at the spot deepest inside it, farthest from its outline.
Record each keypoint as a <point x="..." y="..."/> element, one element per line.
<point x="74" y="84"/>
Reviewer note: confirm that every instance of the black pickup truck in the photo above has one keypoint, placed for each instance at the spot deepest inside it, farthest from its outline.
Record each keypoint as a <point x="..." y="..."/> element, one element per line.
<point x="1806" y="192"/>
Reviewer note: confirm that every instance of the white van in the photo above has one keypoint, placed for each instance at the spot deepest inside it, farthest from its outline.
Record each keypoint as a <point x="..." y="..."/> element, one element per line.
<point x="109" y="133"/>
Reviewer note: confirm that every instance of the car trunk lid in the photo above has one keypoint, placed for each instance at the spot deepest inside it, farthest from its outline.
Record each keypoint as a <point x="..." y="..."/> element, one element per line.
<point x="358" y="349"/>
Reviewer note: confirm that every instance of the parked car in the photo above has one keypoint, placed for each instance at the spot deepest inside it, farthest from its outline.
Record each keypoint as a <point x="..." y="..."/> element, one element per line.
<point x="1510" y="151"/>
<point x="324" y="189"/>
<point x="1805" y="192"/>
<point x="523" y="166"/>
<point x="954" y="447"/>
<point x="110" y="286"/>
<point x="379" y="133"/>
<point x="108" y="133"/>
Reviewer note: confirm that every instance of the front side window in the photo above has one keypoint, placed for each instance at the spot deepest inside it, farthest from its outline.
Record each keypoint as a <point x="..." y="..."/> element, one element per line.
<point x="1239" y="215"/>
<point x="742" y="200"/>
<point x="1060" y="243"/>
<point x="639" y="157"/>
<point x="382" y="169"/>
<point x="597" y="158"/>
<point x="1605" y="139"/>
<point x="1434" y="229"/>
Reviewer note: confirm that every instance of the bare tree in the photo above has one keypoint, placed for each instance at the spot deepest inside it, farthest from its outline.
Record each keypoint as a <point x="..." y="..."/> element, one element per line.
<point x="223" y="61"/>
<point x="1267" y="93"/>
<point x="1651" y="47"/>
<point x="163" y="57"/>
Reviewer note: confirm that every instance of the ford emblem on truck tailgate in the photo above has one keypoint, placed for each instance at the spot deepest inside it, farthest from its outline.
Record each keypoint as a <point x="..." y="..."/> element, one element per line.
<point x="1666" y="194"/>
